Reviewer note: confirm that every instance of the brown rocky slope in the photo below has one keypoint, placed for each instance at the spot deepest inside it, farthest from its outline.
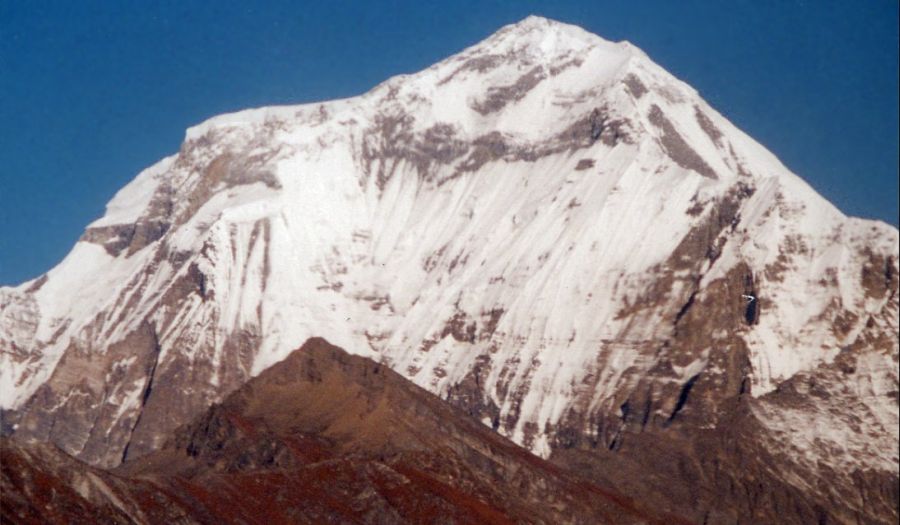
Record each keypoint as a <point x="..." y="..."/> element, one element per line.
<point x="322" y="437"/>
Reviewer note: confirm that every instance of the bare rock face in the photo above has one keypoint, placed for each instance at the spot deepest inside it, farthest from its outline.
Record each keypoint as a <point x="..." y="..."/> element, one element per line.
<point x="546" y="230"/>
<point x="720" y="453"/>
<point x="322" y="436"/>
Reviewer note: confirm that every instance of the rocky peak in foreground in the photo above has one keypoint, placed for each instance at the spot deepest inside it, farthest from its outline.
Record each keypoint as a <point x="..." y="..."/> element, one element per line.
<point x="546" y="230"/>
<point x="321" y="437"/>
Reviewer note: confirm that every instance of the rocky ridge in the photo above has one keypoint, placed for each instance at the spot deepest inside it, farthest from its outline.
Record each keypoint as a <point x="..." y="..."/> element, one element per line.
<point x="321" y="437"/>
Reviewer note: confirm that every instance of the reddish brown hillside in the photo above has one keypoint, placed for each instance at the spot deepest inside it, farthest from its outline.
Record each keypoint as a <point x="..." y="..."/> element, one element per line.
<point x="322" y="437"/>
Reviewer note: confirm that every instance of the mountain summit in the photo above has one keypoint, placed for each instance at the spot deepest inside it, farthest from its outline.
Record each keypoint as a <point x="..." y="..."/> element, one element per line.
<point x="547" y="230"/>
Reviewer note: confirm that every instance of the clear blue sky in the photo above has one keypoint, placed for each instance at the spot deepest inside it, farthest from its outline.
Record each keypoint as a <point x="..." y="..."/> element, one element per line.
<point x="90" y="93"/>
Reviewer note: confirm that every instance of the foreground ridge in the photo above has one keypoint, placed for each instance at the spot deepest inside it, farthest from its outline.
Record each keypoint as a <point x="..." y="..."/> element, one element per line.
<point x="321" y="436"/>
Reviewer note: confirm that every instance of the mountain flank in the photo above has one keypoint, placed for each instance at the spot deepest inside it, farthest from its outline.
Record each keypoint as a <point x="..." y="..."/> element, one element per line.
<point x="321" y="437"/>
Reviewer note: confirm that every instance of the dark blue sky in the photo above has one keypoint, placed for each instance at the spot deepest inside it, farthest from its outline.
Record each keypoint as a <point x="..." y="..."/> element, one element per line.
<point x="90" y="93"/>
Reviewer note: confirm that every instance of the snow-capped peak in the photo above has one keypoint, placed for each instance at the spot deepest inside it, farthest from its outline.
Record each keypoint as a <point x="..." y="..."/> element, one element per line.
<point x="527" y="226"/>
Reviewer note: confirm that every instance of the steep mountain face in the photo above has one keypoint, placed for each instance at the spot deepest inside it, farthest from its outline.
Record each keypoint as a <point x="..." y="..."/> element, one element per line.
<point x="547" y="230"/>
<point x="321" y="437"/>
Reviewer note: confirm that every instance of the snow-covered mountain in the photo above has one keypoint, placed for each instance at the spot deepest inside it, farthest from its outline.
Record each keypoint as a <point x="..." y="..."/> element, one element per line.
<point x="546" y="229"/>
